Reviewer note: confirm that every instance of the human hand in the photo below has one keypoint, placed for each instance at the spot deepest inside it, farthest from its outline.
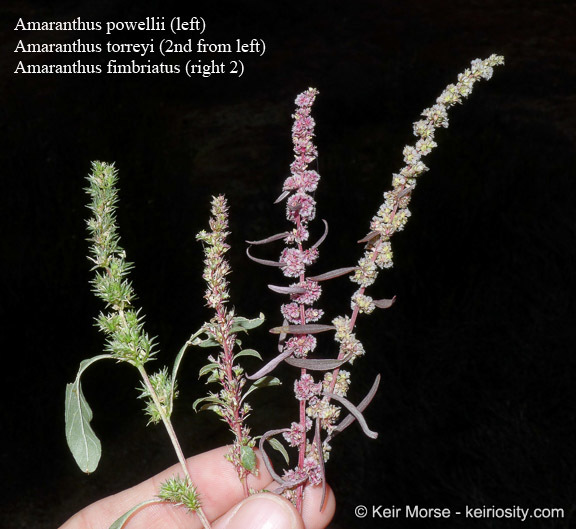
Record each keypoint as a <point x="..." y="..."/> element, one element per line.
<point x="222" y="502"/>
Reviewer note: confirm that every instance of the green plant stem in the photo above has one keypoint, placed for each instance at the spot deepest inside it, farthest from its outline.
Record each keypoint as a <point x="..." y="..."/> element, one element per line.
<point x="172" y="434"/>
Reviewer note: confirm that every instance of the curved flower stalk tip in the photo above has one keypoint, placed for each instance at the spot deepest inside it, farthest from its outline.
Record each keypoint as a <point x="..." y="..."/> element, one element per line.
<point x="394" y="213"/>
<point x="229" y="403"/>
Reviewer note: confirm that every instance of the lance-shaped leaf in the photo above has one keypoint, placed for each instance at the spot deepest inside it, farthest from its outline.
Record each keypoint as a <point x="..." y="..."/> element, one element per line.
<point x="208" y="402"/>
<point x="272" y="238"/>
<point x="287" y="290"/>
<point x="370" y="237"/>
<point x="317" y="364"/>
<point x="248" y="352"/>
<point x="321" y="239"/>
<point x="309" y="328"/>
<point x="121" y="522"/>
<point x="269" y="366"/>
<point x="349" y="419"/>
<point x="208" y="369"/>
<point x="334" y="273"/>
<point x="207" y="342"/>
<point x="265" y="262"/>
<point x="283" y="483"/>
<point x="355" y="412"/>
<point x="82" y="441"/>
<point x="178" y="361"/>
<point x="263" y="382"/>
<point x="279" y="447"/>
<point x="384" y="303"/>
<point x="240" y="324"/>
<point x="282" y="197"/>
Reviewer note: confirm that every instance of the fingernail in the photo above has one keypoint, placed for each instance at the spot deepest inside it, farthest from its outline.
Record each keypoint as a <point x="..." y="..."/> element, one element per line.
<point x="263" y="512"/>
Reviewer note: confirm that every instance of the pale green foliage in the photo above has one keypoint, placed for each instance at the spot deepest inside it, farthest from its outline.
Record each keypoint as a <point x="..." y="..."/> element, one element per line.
<point x="180" y="491"/>
<point x="82" y="441"/>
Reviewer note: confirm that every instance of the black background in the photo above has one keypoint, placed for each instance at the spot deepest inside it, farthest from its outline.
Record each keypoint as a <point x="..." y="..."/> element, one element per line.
<point x="477" y="402"/>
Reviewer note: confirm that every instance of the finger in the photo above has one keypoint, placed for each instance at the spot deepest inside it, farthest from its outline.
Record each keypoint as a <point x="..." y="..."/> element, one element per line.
<point x="314" y="518"/>
<point x="270" y="511"/>
<point x="214" y="477"/>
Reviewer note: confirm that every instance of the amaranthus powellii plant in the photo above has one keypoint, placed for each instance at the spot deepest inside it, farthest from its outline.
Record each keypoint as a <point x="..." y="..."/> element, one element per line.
<point x="320" y="399"/>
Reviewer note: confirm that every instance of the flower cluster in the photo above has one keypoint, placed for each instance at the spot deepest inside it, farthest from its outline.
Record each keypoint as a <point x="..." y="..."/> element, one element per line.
<point x="123" y="325"/>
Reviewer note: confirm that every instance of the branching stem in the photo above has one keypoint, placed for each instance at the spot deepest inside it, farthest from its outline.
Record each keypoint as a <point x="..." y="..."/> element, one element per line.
<point x="172" y="434"/>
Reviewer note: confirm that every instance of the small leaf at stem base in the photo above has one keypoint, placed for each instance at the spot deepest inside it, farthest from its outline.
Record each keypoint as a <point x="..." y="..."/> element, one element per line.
<point x="248" y="458"/>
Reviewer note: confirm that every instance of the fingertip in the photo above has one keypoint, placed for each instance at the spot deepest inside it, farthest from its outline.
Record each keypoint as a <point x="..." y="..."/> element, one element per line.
<point x="262" y="511"/>
<point x="316" y="515"/>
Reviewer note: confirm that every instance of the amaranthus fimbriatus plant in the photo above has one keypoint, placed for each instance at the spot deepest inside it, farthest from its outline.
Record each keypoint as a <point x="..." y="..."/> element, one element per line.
<point x="320" y="399"/>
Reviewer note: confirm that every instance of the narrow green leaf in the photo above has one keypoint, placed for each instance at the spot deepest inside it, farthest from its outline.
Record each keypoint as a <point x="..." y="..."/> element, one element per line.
<point x="209" y="368"/>
<point x="277" y="445"/>
<point x="248" y="458"/>
<point x="211" y="407"/>
<point x="248" y="352"/>
<point x="209" y="399"/>
<point x="240" y="324"/>
<point x="118" y="524"/>
<point x="208" y="342"/>
<point x="263" y="382"/>
<point x="214" y="377"/>
<point x="82" y="441"/>
<point x="267" y="381"/>
<point x="178" y="360"/>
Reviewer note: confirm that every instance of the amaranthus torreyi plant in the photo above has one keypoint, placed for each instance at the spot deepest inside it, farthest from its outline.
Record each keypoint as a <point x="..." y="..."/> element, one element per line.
<point x="315" y="396"/>
<point x="221" y="331"/>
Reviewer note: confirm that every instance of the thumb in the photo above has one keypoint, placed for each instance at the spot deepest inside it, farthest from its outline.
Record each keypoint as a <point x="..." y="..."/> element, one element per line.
<point x="261" y="511"/>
